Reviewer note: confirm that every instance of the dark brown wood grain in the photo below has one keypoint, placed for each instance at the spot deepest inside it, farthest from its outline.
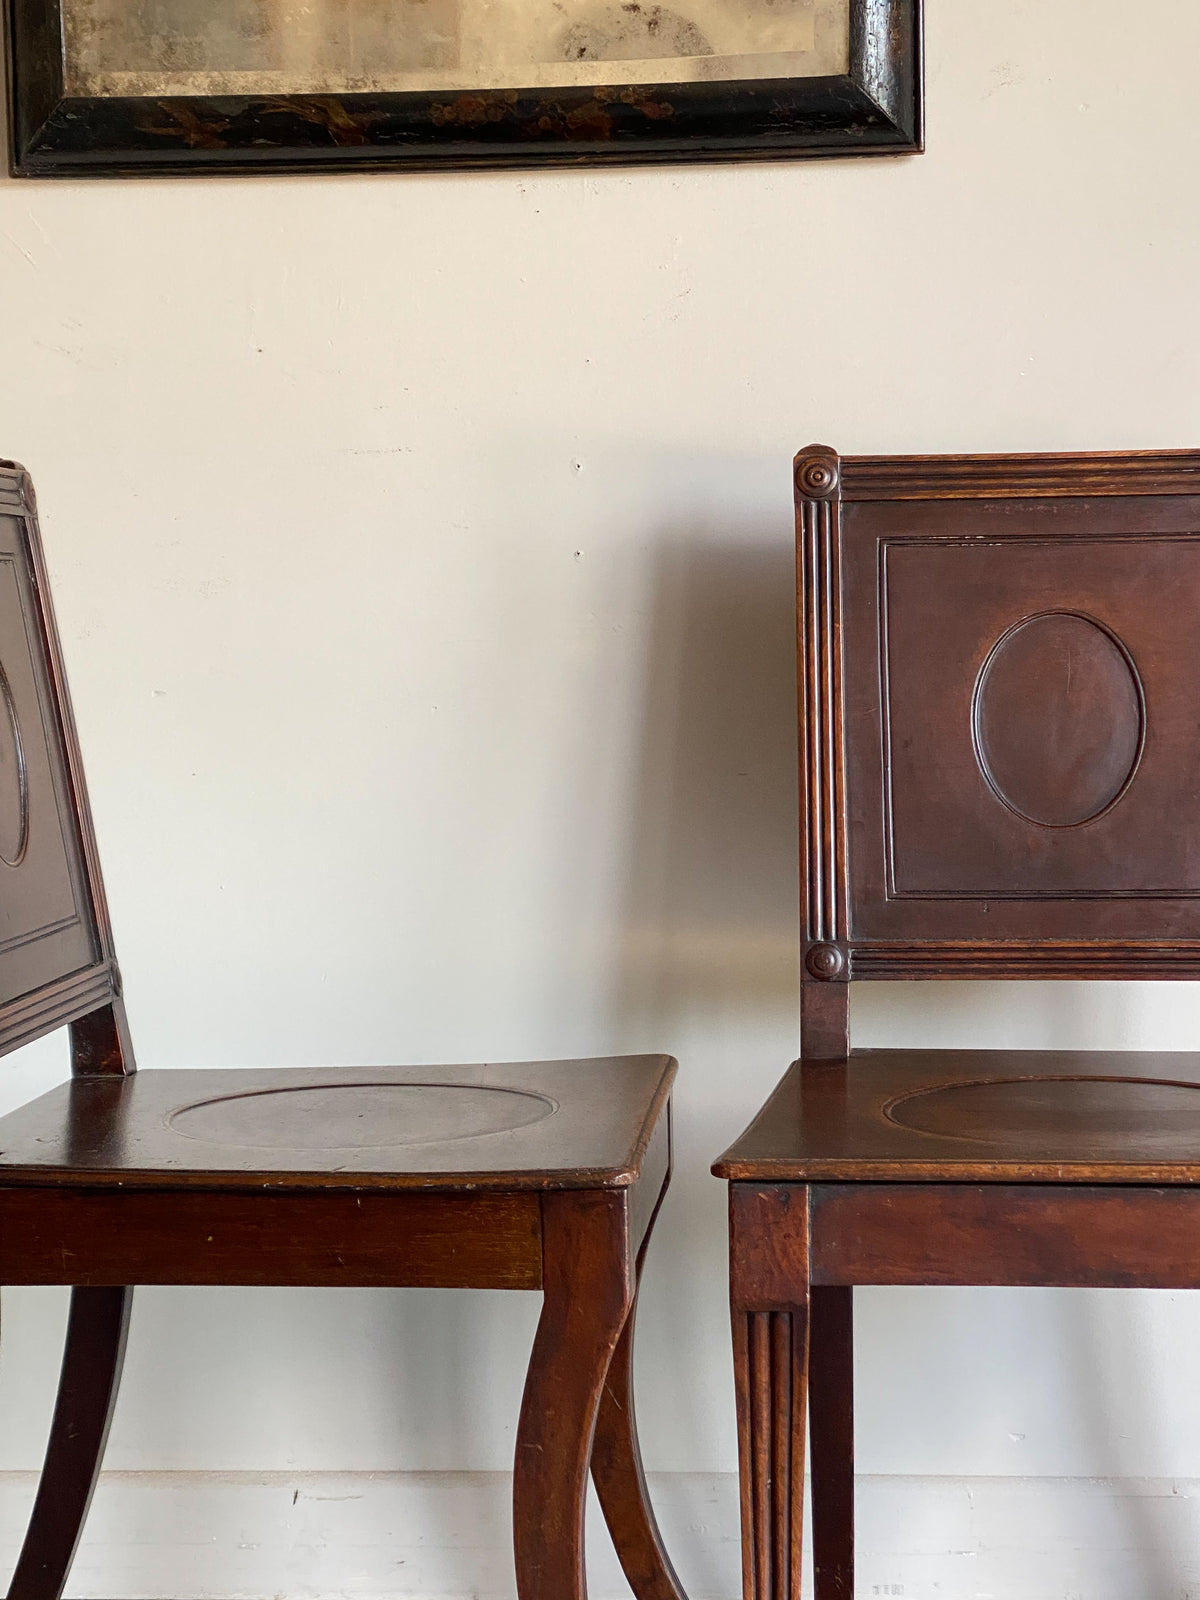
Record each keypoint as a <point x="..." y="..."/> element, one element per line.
<point x="939" y="858"/>
<point x="999" y="756"/>
<point x="524" y="1175"/>
<point x="825" y="1021"/>
<point x="30" y="1016"/>
<point x="646" y="1195"/>
<point x="336" y="1239"/>
<point x="498" y="1126"/>
<point x="50" y="931"/>
<point x="1001" y="1116"/>
<point x="928" y="872"/>
<point x="95" y="1351"/>
<point x="768" y="1263"/>
<point x="831" y="1438"/>
<point x="57" y="962"/>
<point x="1088" y="1235"/>
<point x="1116" y="959"/>
<point x="969" y="477"/>
<point x="101" y="1044"/>
<point x="584" y="1234"/>
<point x="768" y="1245"/>
<point x="921" y="764"/>
<point x="616" y="1452"/>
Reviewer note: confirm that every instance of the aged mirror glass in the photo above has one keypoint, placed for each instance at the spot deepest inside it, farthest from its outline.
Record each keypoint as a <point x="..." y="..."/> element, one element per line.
<point x="179" y="47"/>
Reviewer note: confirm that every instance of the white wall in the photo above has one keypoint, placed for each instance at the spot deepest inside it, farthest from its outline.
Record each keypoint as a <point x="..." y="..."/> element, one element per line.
<point x="422" y="548"/>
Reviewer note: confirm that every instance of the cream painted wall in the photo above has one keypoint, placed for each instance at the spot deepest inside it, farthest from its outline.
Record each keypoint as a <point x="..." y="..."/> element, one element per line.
<point x="422" y="551"/>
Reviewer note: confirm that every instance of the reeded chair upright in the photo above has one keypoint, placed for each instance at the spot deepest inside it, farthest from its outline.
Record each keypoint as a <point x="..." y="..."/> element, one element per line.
<point x="1000" y="751"/>
<point x="537" y="1175"/>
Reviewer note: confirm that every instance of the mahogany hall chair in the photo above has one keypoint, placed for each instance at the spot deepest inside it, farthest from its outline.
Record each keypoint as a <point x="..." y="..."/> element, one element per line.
<point x="1000" y="750"/>
<point x="543" y="1175"/>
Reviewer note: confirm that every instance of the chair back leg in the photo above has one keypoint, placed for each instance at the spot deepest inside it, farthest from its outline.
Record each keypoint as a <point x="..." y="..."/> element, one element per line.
<point x="831" y="1438"/>
<point x="87" y="1392"/>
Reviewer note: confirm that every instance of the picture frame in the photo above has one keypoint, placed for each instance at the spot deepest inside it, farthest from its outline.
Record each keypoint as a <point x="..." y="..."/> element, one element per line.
<point x="138" y="87"/>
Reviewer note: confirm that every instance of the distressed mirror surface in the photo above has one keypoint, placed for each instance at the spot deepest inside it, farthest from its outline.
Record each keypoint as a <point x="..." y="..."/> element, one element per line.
<point x="111" y="86"/>
<point x="170" y="47"/>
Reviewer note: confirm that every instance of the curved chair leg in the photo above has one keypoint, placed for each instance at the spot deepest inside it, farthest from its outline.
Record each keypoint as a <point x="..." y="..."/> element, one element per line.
<point x="831" y="1439"/>
<point x="588" y="1289"/>
<point x="87" y="1391"/>
<point x="618" y="1475"/>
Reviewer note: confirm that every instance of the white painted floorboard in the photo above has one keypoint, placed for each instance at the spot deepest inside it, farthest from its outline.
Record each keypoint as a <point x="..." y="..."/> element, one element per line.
<point x="445" y="1536"/>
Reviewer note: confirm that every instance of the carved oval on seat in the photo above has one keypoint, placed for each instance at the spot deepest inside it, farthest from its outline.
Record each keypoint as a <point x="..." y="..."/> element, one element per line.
<point x="1087" y="1116"/>
<point x="350" y="1116"/>
<point x="14" y="782"/>
<point x="1058" y="719"/>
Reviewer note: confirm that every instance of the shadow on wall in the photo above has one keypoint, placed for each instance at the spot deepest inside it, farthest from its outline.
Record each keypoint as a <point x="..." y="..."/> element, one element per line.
<point x="708" y="963"/>
<point x="713" y="890"/>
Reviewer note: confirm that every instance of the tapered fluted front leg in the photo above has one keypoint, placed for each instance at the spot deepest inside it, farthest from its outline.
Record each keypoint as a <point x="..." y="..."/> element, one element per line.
<point x="618" y="1475"/>
<point x="831" y="1435"/>
<point x="87" y="1392"/>
<point x="769" y="1298"/>
<point x="588" y="1291"/>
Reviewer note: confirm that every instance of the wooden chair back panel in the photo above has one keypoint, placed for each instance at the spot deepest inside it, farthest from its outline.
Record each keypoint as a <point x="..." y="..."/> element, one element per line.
<point x="1000" y="715"/>
<point x="55" y="950"/>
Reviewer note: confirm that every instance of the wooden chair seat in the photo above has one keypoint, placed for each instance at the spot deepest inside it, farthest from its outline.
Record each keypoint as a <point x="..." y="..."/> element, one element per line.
<point x="978" y="1116"/>
<point x="539" y="1175"/>
<point x="419" y="1176"/>
<point x="526" y="1126"/>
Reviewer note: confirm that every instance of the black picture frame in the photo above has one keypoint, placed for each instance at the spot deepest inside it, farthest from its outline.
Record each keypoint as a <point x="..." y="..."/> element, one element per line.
<point x="874" y="108"/>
